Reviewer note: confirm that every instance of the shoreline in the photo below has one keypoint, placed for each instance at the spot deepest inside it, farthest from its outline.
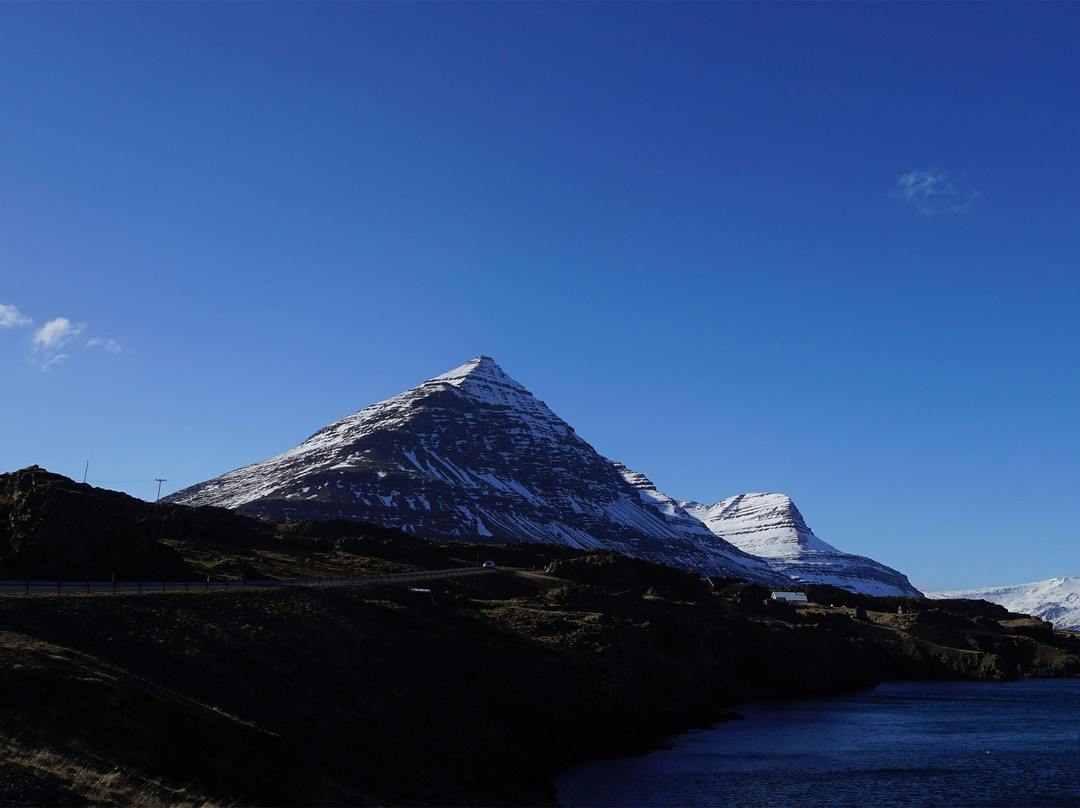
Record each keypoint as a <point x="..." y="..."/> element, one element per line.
<point x="494" y="684"/>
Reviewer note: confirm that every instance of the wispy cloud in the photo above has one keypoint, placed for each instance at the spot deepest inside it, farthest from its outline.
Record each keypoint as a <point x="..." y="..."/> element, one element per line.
<point x="50" y="339"/>
<point x="57" y="333"/>
<point x="933" y="192"/>
<point x="10" y="317"/>
<point x="50" y="342"/>
<point x="55" y="359"/>
<point x="110" y="345"/>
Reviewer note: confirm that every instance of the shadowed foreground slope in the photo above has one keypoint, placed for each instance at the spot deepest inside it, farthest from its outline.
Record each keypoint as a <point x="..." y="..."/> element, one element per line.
<point x="476" y="693"/>
<point x="350" y="695"/>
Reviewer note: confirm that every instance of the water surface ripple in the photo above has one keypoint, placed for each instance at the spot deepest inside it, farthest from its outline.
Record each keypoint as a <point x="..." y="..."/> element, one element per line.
<point x="900" y="744"/>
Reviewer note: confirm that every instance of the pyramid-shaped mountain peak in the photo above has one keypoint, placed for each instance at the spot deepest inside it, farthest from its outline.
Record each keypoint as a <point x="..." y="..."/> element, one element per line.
<point x="480" y="368"/>
<point x="482" y="379"/>
<point x="471" y="454"/>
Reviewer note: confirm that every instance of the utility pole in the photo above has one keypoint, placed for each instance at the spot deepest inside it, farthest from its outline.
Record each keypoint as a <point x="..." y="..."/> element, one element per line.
<point x="159" y="480"/>
<point x="85" y="470"/>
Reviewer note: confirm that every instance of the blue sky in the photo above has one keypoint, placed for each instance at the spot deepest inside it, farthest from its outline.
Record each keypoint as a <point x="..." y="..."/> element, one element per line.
<point x="824" y="249"/>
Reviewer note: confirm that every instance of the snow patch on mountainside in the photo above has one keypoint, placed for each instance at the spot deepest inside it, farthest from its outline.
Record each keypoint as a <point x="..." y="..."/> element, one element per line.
<point x="1057" y="600"/>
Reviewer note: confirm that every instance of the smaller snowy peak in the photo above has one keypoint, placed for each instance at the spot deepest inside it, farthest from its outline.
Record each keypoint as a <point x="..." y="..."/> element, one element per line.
<point x="739" y="563"/>
<point x="770" y="526"/>
<point x="767" y="525"/>
<point x="1056" y="600"/>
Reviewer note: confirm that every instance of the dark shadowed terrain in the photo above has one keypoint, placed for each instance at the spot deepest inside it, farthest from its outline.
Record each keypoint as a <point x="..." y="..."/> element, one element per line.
<point x="475" y="693"/>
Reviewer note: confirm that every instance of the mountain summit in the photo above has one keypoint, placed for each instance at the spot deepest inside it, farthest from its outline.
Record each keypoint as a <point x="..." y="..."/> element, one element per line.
<point x="482" y="379"/>
<point x="471" y="454"/>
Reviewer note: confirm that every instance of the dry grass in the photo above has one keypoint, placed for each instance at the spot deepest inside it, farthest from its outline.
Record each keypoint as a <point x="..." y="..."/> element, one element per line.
<point x="280" y="563"/>
<point x="97" y="782"/>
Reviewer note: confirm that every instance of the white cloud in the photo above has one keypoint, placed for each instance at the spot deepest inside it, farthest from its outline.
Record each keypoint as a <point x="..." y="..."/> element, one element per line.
<point x="56" y="333"/>
<point x="933" y="192"/>
<point x="10" y="316"/>
<point x="110" y="345"/>
<point x="50" y="340"/>
<point x="52" y="360"/>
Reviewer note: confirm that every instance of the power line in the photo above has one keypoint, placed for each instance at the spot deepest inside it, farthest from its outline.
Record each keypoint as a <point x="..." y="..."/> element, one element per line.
<point x="125" y="481"/>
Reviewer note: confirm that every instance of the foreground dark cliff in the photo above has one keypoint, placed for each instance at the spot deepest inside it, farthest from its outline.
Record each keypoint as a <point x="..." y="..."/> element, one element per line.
<point x="52" y="527"/>
<point x="477" y="692"/>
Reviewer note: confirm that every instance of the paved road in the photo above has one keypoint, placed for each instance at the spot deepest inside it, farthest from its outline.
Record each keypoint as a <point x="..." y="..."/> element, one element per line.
<point x="145" y="587"/>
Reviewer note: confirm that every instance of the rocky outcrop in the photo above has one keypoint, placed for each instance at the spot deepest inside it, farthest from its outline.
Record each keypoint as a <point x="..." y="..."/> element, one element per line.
<point x="53" y="528"/>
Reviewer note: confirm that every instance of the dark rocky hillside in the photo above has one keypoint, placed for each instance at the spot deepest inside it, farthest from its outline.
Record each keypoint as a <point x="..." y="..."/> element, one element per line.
<point x="475" y="693"/>
<point x="54" y="528"/>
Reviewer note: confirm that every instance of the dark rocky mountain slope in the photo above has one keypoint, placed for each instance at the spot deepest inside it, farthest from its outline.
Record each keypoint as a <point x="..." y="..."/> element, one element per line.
<point x="473" y="455"/>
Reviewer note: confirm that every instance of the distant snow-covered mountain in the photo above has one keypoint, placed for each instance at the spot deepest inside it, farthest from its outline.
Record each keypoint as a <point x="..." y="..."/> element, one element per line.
<point x="1057" y="600"/>
<point x="471" y="454"/>
<point x="771" y="527"/>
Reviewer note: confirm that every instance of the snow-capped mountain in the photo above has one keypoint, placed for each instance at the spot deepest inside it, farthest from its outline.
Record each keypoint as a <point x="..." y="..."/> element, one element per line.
<point x="471" y="454"/>
<point x="1057" y="601"/>
<point x="771" y="527"/>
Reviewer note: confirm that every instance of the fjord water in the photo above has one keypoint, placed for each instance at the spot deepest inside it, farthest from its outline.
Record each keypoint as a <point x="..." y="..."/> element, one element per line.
<point x="900" y="744"/>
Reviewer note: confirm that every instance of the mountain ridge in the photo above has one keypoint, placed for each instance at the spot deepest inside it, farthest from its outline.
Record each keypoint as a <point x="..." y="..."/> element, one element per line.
<point x="472" y="454"/>
<point x="1055" y="600"/>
